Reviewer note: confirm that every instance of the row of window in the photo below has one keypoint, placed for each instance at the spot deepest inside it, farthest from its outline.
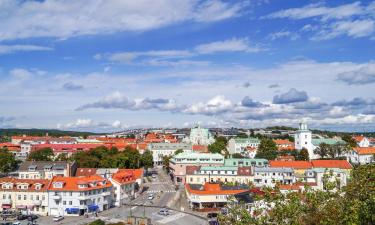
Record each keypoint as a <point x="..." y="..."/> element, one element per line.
<point x="19" y="197"/>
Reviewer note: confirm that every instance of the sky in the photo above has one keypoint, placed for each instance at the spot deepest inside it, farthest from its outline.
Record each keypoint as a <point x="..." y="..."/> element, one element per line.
<point x="110" y="65"/>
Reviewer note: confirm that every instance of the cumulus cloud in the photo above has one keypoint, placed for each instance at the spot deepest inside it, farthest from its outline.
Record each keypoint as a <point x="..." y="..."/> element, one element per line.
<point x="7" y="49"/>
<point x="290" y="97"/>
<point x="91" y="125"/>
<point x="4" y="119"/>
<point x="230" y="45"/>
<point x="216" y="105"/>
<point x="361" y="76"/>
<point x="58" y="18"/>
<point x="248" y="102"/>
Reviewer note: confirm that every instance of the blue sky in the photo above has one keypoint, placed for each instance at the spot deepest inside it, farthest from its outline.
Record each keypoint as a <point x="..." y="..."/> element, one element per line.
<point x="111" y="65"/>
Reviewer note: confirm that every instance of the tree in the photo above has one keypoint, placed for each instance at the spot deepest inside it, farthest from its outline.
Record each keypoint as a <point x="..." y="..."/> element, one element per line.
<point x="242" y="135"/>
<point x="166" y="160"/>
<point x="147" y="160"/>
<point x="178" y="151"/>
<point x="43" y="154"/>
<point x="62" y="157"/>
<point x="218" y="146"/>
<point x="349" y="140"/>
<point x="267" y="149"/>
<point x="237" y="156"/>
<point x="322" y="150"/>
<point x="7" y="161"/>
<point x="303" y="155"/>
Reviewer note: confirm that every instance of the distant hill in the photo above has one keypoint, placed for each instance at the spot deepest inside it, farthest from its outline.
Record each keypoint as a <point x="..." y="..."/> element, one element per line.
<point x="42" y="132"/>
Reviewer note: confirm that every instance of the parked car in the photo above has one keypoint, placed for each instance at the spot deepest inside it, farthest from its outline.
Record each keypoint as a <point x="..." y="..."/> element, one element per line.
<point x="57" y="218"/>
<point x="150" y="197"/>
<point x="163" y="212"/>
<point x="16" y="223"/>
<point x="154" y="176"/>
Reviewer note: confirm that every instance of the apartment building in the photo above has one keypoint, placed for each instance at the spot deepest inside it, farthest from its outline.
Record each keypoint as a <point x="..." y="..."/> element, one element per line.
<point x="269" y="176"/>
<point x="160" y="150"/>
<point x="242" y="145"/>
<point x="219" y="174"/>
<point x="123" y="187"/>
<point x="45" y="169"/>
<point x="362" y="155"/>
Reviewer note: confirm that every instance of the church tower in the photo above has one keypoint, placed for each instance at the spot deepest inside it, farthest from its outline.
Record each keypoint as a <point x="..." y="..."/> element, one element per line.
<point x="302" y="139"/>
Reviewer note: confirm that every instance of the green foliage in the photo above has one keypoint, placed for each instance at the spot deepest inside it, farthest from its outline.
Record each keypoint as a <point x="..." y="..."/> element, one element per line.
<point x="237" y="156"/>
<point x="43" y="154"/>
<point x="242" y="135"/>
<point x="218" y="146"/>
<point x="97" y="222"/>
<point x="303" y="155"/>
<point x="146" y="159"/>
<point x="178" y="151"/>
<point x="62" y="157"/>
<point x="7" y="161"/>
<point x="331" y="151"/>
<point x="267" y="149"/>
<point x="349" y="140"/>
<point x="42" y="132"/>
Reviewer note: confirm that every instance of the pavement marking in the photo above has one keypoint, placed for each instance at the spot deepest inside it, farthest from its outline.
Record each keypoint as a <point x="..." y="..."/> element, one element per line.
<point x="158" y="191"/>
<point x="134" y="207"/>
<point x="172" y="218"/>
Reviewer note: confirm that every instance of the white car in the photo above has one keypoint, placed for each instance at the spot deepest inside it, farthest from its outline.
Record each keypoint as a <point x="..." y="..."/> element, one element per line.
<point x="150" y="197"/>
<point x="17" y="223"/>
<point x="58" y="218"/>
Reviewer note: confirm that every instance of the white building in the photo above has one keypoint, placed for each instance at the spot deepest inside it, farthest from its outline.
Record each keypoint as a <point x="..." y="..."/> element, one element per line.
<point x="270" y="176"/>
<point x="160" y="150"/>
<point x="74" y="196"/>
<point x="362" y="155"/>
<point x="242" y="146"/>
<point x="362" y="141"/>
<point x="200" y="136"/>
<point x="302" y="139"/>
<point x="322" y="175"/>
<point x="29" y="196"/>
<point x="123" y="187"/>
<point x="45" y="170"/>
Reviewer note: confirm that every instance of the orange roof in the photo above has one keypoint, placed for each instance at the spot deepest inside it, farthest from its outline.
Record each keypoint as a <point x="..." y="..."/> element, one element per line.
<point x="365" y="150"/>
<point x="200" y="148"/>
<point x="10" y="146"/>
<point x="296" y="186"/>
<point x="341" y="164"/>
<point x="32" y="184"/>
<point x="291" y="164"/>
<point x="124" y="177"/>
<point x="283" y="142"/>
<point x="71" y="183"/>
<point x="137" y="173"/>
<point x="213" y="189"/>
<point x="358" y="138"/>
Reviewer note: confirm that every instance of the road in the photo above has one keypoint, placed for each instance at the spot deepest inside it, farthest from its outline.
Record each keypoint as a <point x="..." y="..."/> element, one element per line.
<point x="163" y="190"/>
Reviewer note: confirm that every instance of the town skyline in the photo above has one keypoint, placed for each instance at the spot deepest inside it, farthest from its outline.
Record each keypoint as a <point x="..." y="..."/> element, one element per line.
<point x="247" y="64"/>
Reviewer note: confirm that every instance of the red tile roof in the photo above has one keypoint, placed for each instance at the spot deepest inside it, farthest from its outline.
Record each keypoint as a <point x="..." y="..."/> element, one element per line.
<point x="10" y="146"/>
<point x="283" y="142"/>
<point x="341" y="164"/>
<point x="84" y="172"/>
<point x="365" y="150"/>
<point x="213" y="189"/>
<point x="191" y="169"/>
<point x="31" y="182"/>
<point x="200" y="148"/>
<point x="138" y="173"/>
<point x="291" y="164"/>
<point x="124" y="177"/>
<point x="71" y="183"/>
<point x="358" y="138"/>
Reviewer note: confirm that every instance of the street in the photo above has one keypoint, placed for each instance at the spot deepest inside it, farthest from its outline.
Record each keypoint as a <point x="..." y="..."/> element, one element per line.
<point x="163" y="190"/>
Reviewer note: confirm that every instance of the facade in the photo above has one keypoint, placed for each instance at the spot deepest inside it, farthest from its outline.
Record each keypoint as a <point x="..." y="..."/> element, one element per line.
<point x="246" y="162"/>
<point x="302" y="139"/>
<point x="284" y="145"/>
<point x="362" y="141"/>
<point x="212" y="196"/>
<point x="220" y="174"/>
<point x="240" y="145"/>
<point x="45" y="170"/>
<point x="123" y="187"/>
<point x="73" y="196"/>
<point x="28" y="196"/>
<point x="321" y="175"/>
<point x="179" y="162"/>
<point x="362" y="155"/>
<point x="68" y="149"/>
<point x="269" y="176"/>
<point x="160" y="150"/>
<point x="200" y="136"/>
<point x="299" y="167"/>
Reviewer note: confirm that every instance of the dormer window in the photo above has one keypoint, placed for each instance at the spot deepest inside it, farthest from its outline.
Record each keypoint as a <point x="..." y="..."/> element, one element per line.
<point x="58" y="184"/>
<point x="7" y="185"/>
<point x="32" y="168"/>
<point x="38" y="186"/>
<point x="82" y="186"/>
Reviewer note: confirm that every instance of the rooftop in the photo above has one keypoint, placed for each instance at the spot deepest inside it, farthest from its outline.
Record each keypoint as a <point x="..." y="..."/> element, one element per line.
<point x="215" y="189"/>
<point x="364" y="150"/>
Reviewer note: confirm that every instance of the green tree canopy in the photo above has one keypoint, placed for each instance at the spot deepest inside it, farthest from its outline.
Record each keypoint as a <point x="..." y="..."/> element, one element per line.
<point x="43" y="154"/>
<point x="218" y="146"/>
<point x="7" y="161"/>
<point x="267" y="149"/>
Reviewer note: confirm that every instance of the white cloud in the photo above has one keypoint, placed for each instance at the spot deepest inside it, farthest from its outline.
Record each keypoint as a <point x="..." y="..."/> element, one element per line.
<point x="230" y="45"/>
<point x="86" y="124"/>
<point x="216" y="105"/>
<point x="7" y="49"/>
<point x="64" y="19"/>
<point x="283" y="34"/>
<point x="355" y="29"/>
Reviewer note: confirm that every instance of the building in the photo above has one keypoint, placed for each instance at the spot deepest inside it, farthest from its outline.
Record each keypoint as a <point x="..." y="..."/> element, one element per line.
<point x="179" y="162"/>
<point x="29" y="196"/>
<point x="123" y="186"/>
<point x="362" y="155"/>
<point x="160" y="150"/>
<point x="333" y="164"/>
<point x="299" y="167"/>
<point x="45" y="169"/>
<point x="68" y="149"/>
<point x="270" y="176"/>
<point x="219" y="174"/>
<point x="200" y="136"/>
<point x="246" y="162"/>
<point x="362" y="141"/>
<point x="284" y="145"/>
<point x="74" y="196"/>
<point x="212" y="196"/>
<point x="241" y="145"/>
<point x="302" y="139"/>
<point x="320" y="176"/>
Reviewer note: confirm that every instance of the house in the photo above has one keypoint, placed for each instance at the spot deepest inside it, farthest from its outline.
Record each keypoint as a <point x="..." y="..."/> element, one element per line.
<point x="74" y="196"/>
<point x="68" y="149"/>
<point x="199" y="136"/>
<point x="362" y="141"/>
<point x="333" y="164"/>
<point x="219" y="174"/>
<point x="13" y="148"/>
<point x="45" y="169"/>
<point x="320" y="176"/>
<point x="200" y="148"/>
<point x="29" y="196"/>
<point x="362" y="155"/>
<point x="179" y="162"/>
<point x="246" y="162"/>
<point x="270" y="176"/>
<point x="161" y="150"/>
<point x="123" y="186"/>
<point x="212" y="196"/>
<point x="284" y="145"/>
<point x="240" y="145"/>
<point x="299" y="167"/>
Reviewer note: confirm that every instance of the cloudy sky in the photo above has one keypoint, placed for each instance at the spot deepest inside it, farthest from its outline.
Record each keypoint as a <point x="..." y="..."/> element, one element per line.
<point x="108" y="65"/>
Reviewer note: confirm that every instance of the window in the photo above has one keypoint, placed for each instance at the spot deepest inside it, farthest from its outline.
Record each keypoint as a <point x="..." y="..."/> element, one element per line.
<point x="37" y="197"/>
<point x="64" y="202"/>
<point x="70" y="203"/>
<point x="32" y="197"/>
<point x="19" y="197"/>
<point x="24" y="197"/>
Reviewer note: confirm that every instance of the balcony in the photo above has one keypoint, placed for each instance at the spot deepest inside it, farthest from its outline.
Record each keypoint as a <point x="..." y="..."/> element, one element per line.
<point x="56" y="197"/>
<point x="107" y="193"/>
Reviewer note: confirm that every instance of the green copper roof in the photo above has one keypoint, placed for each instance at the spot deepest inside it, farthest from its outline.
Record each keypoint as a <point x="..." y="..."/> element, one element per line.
<point x="245" y="162"/>
<point x="329" y="141"/>
<point x="211" y="168"/>
<point x="246" y="140"/>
